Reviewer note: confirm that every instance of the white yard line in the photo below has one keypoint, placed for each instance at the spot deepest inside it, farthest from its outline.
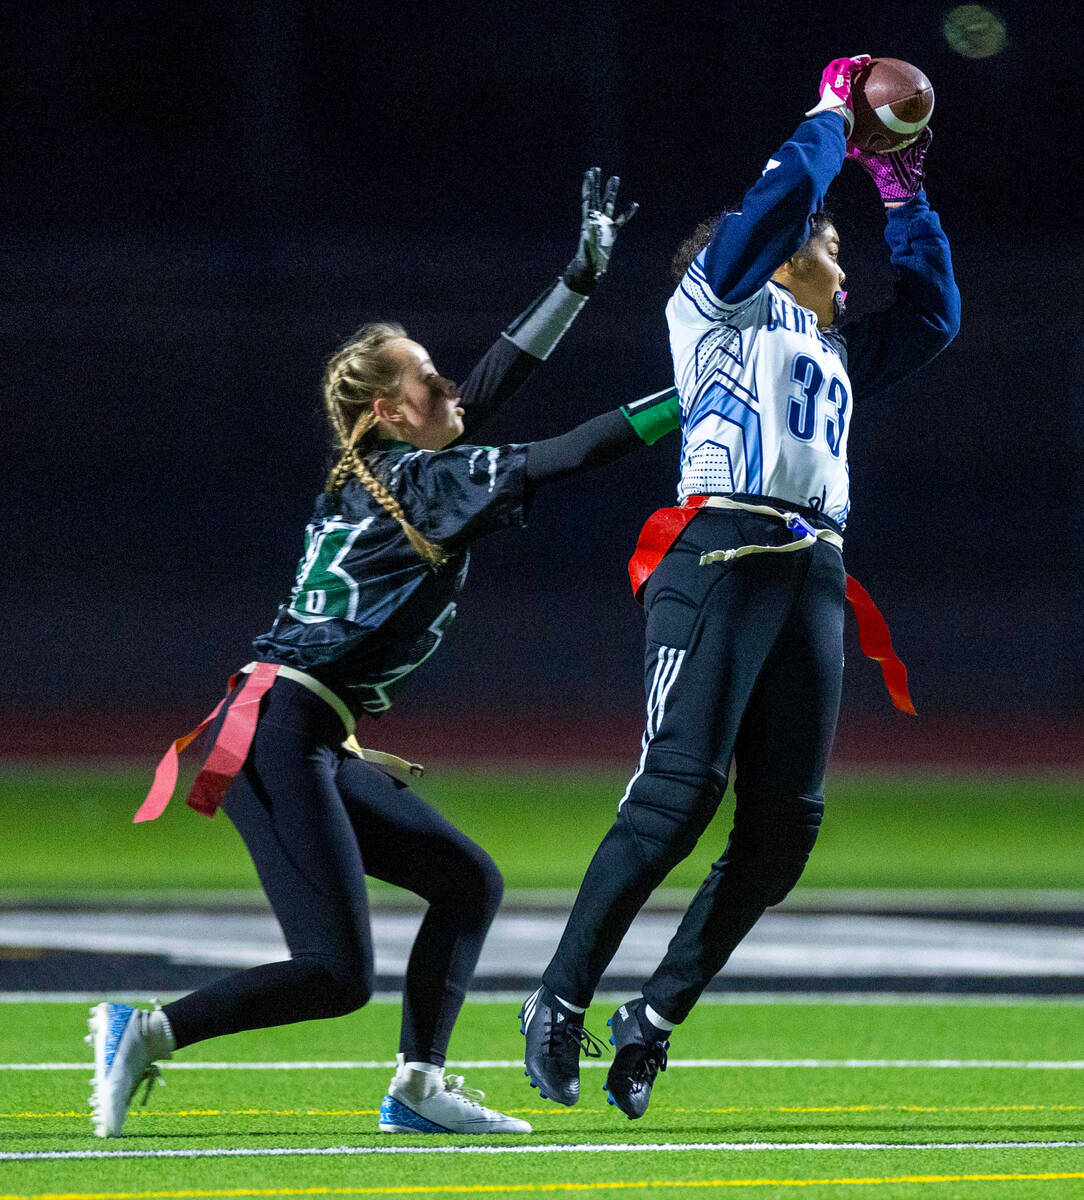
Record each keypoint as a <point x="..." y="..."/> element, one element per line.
<point x="515" y="1063"/>
<point x="609" y="999"/>
<point x="583" y="1148"/>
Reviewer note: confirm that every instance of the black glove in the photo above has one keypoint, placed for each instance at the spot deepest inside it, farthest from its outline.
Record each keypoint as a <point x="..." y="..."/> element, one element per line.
<point x="598" y="231"/>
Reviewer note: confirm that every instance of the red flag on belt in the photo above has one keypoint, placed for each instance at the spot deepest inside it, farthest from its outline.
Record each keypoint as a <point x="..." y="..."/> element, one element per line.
<point x="661" y="530"/>
<point x="227" y="755"/>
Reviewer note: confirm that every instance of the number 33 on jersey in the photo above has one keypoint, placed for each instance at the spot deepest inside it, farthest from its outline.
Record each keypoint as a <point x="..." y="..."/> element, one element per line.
<point x="740" y="431"/>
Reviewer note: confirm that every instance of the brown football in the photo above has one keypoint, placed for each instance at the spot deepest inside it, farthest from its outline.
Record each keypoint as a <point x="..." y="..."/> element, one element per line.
<point x="892" y="103"/>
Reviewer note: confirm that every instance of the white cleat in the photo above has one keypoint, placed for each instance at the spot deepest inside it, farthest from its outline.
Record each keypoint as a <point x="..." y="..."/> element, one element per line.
<point x="431" y="1102"/>
<point x="122" y="1061"/>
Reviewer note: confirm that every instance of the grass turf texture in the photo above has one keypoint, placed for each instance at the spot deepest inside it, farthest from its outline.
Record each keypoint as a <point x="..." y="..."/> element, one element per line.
<point x="68" y="832"/>
<point x="264" y="1109"/>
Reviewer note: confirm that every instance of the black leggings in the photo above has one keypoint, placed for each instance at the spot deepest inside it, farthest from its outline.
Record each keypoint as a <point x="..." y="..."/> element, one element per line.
<point x="316" y="821"/>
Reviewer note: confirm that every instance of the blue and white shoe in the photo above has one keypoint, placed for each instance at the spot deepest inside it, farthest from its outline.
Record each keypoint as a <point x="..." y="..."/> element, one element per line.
<point x="122" y="1061"/>
<point x="432" y="1102"/>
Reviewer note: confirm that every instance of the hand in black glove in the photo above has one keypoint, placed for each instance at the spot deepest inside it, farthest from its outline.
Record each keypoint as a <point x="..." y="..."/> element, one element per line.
<point x="598" y="231"/>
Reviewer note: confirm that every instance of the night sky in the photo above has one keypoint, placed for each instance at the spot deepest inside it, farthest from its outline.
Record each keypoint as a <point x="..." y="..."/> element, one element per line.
<point x="200" y="202"/>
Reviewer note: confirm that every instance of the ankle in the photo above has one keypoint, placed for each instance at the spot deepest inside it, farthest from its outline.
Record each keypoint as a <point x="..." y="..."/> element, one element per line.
<point x="157" y="1034"/>
<point x="417" y="1080"/>
<point x="653" y="1026"/>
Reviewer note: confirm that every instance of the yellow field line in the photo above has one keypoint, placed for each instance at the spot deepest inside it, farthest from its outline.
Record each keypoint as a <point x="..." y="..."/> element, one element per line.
<point x="564" y="1112"/>
<point x="611" y="1185"/>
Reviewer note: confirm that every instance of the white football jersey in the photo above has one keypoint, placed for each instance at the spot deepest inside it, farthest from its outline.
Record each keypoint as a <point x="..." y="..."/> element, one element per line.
<point x="765" y="398"/>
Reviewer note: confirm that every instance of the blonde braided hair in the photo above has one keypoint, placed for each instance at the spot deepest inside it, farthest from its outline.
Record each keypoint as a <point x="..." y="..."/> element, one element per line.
<point x="365" y="368"/>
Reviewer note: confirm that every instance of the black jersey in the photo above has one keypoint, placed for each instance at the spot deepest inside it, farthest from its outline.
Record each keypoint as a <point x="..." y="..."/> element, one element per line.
<point x="366" y="609"/>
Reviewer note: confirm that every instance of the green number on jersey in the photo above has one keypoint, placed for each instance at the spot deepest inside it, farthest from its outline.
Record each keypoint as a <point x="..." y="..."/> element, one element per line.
<point x="324" y="588"/>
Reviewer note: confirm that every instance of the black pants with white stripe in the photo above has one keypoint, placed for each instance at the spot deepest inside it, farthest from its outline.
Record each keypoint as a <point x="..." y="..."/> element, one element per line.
<point x="744" y="662"/>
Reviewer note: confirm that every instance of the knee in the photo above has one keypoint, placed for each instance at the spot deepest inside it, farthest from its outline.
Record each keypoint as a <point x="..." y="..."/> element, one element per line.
<point x="770" y="849"/>
<point x="345" y="986"/>
<point x="669" y="805"/>
<point x="478" y="889"/>
<point x="485" y="886"/>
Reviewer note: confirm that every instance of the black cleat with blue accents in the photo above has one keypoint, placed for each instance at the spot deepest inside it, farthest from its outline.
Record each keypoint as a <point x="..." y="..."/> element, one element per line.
<point x="638" y="1058"/>
<point x="555" y="1036"/>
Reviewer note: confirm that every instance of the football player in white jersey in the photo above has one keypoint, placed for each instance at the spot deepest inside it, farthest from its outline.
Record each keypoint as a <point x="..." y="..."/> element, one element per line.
<point x="744" y="584"/>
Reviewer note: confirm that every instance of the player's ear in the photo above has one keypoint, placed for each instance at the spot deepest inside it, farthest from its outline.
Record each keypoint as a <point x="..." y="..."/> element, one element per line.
<point x="387" y="410"/>
<point x="794" y="265"/>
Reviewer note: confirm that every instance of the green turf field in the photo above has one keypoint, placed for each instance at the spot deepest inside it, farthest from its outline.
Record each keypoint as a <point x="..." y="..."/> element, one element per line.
<point x="908" y="1126"/>
<point x="69" y="832"/>
<point x="935" y="1122"/>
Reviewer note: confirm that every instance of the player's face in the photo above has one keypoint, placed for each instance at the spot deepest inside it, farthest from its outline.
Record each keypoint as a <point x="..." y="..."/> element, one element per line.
<point x="816" y="276"/>
<point x="427" y="404"/>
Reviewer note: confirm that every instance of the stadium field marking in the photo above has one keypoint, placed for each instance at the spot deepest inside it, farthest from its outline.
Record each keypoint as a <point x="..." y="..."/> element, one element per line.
<point x="580" y="1110"/>
<point x="580" y="1148"/>
<point x="610" y="1185"/>
<point x="509" y="1063"/>
<point x="725" y="999"/>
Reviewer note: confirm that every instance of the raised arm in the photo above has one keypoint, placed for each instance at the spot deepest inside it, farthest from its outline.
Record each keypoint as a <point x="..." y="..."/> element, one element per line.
<point x="773" y="222"/>
<point x="531" y="337"/>
<point x="882" y="348"/>
<point x="749" y="245"/>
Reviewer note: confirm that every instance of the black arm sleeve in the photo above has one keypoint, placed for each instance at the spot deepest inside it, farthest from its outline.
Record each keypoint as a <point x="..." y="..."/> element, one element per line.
<point x="500" y="372"/>
<point x="595" y="442"/>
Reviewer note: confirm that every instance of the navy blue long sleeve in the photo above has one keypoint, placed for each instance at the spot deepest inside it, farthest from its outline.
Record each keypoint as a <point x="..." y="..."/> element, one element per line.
<point x="882" y="348"/>
<point x="774" y="220"/>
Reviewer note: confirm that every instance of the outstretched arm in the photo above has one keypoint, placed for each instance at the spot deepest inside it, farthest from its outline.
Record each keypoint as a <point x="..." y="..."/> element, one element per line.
<point x="532" y="336"/>
<point x="603" y="438"/>
<point x="465" y="492"/>
<point x="748" y="246"/>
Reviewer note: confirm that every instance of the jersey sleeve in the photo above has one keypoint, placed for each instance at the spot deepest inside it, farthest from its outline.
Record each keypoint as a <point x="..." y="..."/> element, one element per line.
<point x="457" y="495"/>
<point x="884" y="347"/>
<point x="748" y="246"/>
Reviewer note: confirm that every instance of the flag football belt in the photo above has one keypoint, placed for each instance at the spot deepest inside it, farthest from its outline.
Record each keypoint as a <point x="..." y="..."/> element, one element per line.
<point x="663" y="528"/>
<point x="807" y="534"/>
<point x="227" y="755"/>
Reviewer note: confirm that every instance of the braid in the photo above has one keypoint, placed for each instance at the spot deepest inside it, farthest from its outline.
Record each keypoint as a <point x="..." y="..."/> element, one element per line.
<point x="432" y="552"/>
<point x="363" y="369"/>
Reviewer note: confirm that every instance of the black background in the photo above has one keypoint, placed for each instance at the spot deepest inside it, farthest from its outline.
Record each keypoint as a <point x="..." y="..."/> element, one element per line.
<point x="201" y="201"/>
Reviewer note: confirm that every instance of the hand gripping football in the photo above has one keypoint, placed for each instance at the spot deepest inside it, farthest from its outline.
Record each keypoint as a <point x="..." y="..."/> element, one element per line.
<point x="892" y="104"/>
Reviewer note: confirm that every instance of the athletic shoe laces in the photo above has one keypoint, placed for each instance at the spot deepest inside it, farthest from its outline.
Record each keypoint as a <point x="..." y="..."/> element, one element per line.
<point x="151" y="1076"/>
<point x="456" y="1084"/>
<point x="566" y="1031"/>
<point x="653" y="1061"/>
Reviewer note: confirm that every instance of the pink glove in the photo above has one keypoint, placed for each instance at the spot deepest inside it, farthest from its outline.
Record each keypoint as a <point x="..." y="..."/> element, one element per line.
<point x="899" y="173"/>
<point x="836" y="87"/>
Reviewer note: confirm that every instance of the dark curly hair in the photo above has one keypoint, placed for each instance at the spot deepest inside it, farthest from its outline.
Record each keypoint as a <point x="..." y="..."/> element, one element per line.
<point x="705" y="231"/>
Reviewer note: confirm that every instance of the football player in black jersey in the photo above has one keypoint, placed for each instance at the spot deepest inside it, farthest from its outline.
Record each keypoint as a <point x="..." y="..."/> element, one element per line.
<point x="386" y="554"/>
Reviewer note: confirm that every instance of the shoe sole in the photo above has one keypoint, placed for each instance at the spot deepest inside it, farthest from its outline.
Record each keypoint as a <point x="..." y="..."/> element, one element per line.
<point x="98" y="1024"/>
